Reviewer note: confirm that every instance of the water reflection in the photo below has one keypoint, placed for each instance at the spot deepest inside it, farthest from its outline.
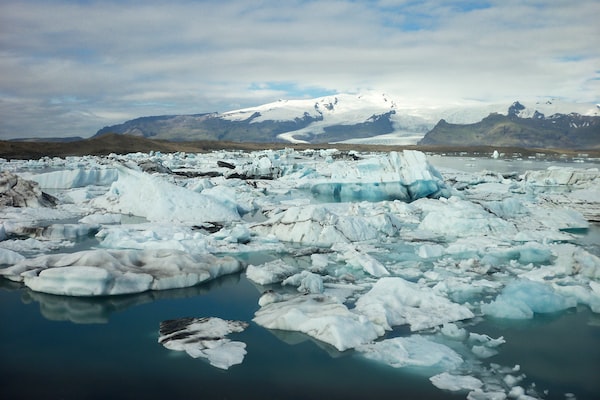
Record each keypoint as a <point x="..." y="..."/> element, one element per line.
<point x="294" y="338"/>
<point x="97" y="310"/>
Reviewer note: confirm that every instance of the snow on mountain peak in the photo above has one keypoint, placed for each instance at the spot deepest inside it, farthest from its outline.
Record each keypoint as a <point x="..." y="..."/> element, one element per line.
<point x="347" y="107"/>
<point x="410" y="119"/>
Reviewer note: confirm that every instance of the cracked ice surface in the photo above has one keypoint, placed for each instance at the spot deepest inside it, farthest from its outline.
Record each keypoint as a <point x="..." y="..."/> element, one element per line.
<point x="363" y="244"/>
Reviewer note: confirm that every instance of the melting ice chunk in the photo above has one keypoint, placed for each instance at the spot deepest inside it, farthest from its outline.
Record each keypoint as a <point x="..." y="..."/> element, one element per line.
<point x="402" y="176"/>
<point x="394" y="301"/>
<point x="455" y="382"/>
<point x="321" y="317"/>
<point x="271" y="272"/>
<point x="157" y="200"/>
<point x="412" y="351"/>
<point x="520" y="300"/>
<point x="104" y="272"/>
<point x="205" y="338"/>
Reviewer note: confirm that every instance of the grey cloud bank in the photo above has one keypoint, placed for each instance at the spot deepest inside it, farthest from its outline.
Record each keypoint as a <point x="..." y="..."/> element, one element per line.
<point x="69" y="68"/>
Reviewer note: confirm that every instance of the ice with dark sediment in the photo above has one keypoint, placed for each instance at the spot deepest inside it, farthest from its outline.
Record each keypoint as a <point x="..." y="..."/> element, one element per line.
<point x="114" y="272"/>
<point x="205" y="338"/>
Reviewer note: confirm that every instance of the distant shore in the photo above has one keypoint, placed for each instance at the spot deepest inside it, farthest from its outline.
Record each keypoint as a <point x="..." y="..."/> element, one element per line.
<point x="123" y="144"/>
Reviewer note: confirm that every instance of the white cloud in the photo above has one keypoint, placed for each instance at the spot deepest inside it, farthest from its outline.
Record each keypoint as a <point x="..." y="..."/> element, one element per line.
<point x="117" y="59"/>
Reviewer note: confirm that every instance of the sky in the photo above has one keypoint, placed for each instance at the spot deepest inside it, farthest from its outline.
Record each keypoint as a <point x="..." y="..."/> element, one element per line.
<point x="69" y="68"/>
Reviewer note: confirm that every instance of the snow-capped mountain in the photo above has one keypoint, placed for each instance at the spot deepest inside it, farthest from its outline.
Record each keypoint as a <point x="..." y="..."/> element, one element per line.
<point x="365" y="118"/>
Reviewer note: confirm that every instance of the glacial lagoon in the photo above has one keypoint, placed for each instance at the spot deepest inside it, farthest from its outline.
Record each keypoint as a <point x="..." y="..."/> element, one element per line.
<point x="107" y="347"/>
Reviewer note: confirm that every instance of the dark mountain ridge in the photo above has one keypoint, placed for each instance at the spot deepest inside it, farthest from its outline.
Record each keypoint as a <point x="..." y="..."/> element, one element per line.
<point x="327" y="121"/>
<point x="569" y="131"/>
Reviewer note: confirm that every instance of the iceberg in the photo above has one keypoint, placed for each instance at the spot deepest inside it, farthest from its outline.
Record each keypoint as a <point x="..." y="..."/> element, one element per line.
<point x="521" y="299"/>
<point x="157" y="200"/>
<point x="326" y="224"/>
<point x="406" y="177"/>
<point x="394" y="301"/>
<point x="459" y="218"/>
<point x="205" y="338"/>
<point x="447" y="381"/>
<point x="320" y="317"/>
<point x="9" y="257"/>
<point x="306" y="282"/>
<point x="18" y="192"/>
<point x="412" y="351"/>
<point x="272" y="272"/>
<point x="554" y="176"/>
<point x="112" y="272"/>
<point x="76" y="178"/>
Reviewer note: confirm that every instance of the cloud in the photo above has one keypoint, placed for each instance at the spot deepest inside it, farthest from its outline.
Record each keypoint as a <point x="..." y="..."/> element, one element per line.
<point x="71" y="67"/>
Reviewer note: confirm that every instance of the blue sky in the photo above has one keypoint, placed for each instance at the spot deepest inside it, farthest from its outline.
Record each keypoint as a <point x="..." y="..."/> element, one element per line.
<point x="71" y="67"/>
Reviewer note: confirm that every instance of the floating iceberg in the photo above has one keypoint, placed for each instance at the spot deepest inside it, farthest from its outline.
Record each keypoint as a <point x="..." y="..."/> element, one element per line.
<point x="18" y="192"/>
<point x="112" y="272"/>
<point x="272" y="272"/>
<point x="320" y="317"/>
<point x="521" y="299"/>
<point x="205" y="338"/>
<point x="459" y="218"/>
<point x="563" y="176"/>
<point x="327" y="224"/>
<point x="412" y="351"/>
<point x="157" y="200"/>
<point x="76" y="178"/>
<point x="394" y="301"/>
<point x="455" y="383"/>
<point x="405" y="176"/>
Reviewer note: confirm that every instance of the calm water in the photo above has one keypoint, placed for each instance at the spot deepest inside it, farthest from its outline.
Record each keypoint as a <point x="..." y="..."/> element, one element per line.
<point x="46" y="355"/>
<point x="112" y="352"/>
<point x="54" y="347"/>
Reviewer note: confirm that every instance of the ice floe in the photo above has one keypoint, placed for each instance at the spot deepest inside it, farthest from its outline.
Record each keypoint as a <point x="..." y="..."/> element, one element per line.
<point x="158" y="200"/>
<point x="455" y="383"/>
<point x="412" y="351"/>
<point x="16" y="191"/>
<point x="205" y="338"/>
<point x="112" y="272"/>
<point x="321" y="317"/>
<point x="394" y="301"/>
<point x="521" y="299"/>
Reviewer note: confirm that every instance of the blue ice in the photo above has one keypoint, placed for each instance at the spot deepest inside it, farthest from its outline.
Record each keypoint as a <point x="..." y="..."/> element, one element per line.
<point x="520" y="300"/>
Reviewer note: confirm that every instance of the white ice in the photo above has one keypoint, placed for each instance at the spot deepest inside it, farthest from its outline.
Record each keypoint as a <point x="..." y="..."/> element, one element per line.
<point x="205" y="338"/>
<point x="157" y="200"/>
<point x="112" y="272"/>
<point x="321" y="317"/>
<point x="455" y="383"/>
<point x="412" y="351"/>
<point x="402" y="176"/>
<point x="521" y="299"/>
<point x="394" y="301"/>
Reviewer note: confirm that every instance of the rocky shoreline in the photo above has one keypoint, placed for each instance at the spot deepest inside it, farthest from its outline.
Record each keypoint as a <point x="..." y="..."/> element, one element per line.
<point x="124" y="144"/>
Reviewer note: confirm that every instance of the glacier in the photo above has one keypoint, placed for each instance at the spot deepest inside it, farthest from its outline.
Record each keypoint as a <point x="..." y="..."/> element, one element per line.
<point x="381" y="255"/>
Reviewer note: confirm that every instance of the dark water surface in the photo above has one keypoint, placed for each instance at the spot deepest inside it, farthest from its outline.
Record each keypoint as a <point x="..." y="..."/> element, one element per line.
<point x="121" y="358"/>
<point x="47" y="355"/>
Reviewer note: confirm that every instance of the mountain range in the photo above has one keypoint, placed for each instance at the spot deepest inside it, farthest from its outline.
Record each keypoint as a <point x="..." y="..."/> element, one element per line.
<point x="380" y="119"/>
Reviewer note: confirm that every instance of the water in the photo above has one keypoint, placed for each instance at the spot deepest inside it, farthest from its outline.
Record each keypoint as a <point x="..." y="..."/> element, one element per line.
<point x="65" y="348"/>
<point x="560" y="353"/>
<point x="507" y="164"/>
<point x="121" y="358"/>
